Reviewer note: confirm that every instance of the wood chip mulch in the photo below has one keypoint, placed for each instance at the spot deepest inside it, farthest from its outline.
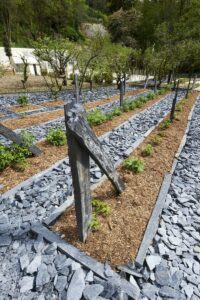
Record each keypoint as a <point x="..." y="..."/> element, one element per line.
<point x="120" y="234"/>
<point x="19" y="108"/>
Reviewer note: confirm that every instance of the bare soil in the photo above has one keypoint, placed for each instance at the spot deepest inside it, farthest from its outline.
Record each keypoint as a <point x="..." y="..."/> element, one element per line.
<point x="51" y="154"/>
<point x="120" y="234"/>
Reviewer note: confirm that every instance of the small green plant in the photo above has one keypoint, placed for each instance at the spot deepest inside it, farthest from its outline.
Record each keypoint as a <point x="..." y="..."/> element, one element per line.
<point x="117" y="111"/>
<point x="132" y="105"/>
<point x="27" y="138"/>
<point x="96" y="117"/>
<point x="148" y="150"/>
<point x="94" y="224"/>
<point x="143" y="99"/>
<point x="165" y="124"/>
<point x="22" y="100"/>
<point x="100" y="207"/>
<point x="156" y="140"/>
<point x="138" y="103"/>
<point x="150" y="96"/>
<point x="56" y="137"/>
<point x="134" y="164"/>
<point x="20" y="165"/>
<point x="126" y="106"/>
<point x="6" y="157"/>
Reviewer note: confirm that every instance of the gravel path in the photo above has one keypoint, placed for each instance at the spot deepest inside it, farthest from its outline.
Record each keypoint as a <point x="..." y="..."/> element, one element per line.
<point x="34" y="269"/>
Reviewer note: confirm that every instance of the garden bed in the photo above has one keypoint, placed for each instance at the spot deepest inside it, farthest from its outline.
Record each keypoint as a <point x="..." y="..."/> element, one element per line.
<point x="53" y="102"/>
<point x="121" y="232"/>
<point x="52" y="154"/>
<point x="19" y="108"/>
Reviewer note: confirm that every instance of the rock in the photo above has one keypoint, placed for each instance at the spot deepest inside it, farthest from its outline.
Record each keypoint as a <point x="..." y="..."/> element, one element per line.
<point x="174" y="241"/>
<point x="89" y="277"/>
<point x="24" y="261"/>
<point x="34" y="265"/>
<point x="26" y="284"/>
<point x="51" y="248"/>
<point x="5" y="240"/>
<point x="149" y="290"/>
<point x="61" y="283"/>
<point x="169" y="292"/>
<point x="196" y="249"/>
<point x="91" y="292"/>
<point x="162" y="275"/>
<point x="42" y="277"/>
<point x="188" y="290"/>
<point x="153" y="261"/>
<point x="60" y="261"/>
<point x="76" y="286"/>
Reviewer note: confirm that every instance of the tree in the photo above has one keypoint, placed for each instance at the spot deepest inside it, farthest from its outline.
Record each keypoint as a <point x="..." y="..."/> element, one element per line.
<point x="25" y="71"/>
<point x="57" y="53"/>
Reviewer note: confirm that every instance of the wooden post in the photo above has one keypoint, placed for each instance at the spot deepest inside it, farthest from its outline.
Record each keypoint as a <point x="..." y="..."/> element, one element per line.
<point x="188" y="88"/>
<point x="16" y="138"/>
<point x="146" y="81"/>
<point x="121" y="94"/>
<point x="124" y="83"/>
<point x="194" y="82"/>
<point x="83" y="143"/>
<point x="76" y="87"/>
<point x="174" y="103"/>
<point x="155" y="84"/>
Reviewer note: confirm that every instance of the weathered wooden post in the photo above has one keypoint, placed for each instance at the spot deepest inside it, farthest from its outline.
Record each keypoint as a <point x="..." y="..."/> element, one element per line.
<point x="82" y="144"/>
<point x="121" y="94"/>
<point x="174" y="103"/>
<point x="16" y="138"/>
<point x="194" y="82"/>
<point x="146" y="81"/>
<point x="188" y="87"/>
<point x="124" y="83"/>
<point x="76" y="87"/>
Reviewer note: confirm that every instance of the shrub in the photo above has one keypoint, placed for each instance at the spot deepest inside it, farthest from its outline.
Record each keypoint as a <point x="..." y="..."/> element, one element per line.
<point x="134" y="164"/>
<point x="100" y="207"/>
<point x="117" y="111"/>
<point x="156" y="140"/>
<point x="20" y="165"/>
<point x="162" y="91"/>
<point x="56" y="137"/>
<point x="148" y="150"/>
<point x="151" y="96"/>
<point x="142" y="99"/>
<point x="132" y="105"/>
<point x="96" y="117"/>
<point x="22" y="100"/>
<point x="27" y="138"/>
<point x="126" y="106"/>
<point x="165" y="124"/>
<point x="6" y="157"/>
<point x="138" y="104"/>
<point x="94" y="224"/>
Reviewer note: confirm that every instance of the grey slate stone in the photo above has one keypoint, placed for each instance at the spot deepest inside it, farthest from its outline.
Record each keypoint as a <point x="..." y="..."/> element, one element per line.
<point x="26" y="284"/>
<point x="24" y="261"/>
<point x="162" y="275"/>
<point x="61" y="283"/>
<point x="42" y="277"/>
<point x="152" y="261"/>
<point x="91" y="292"/>
<point x="34" y="265"/>
<point x="76" y="286"/>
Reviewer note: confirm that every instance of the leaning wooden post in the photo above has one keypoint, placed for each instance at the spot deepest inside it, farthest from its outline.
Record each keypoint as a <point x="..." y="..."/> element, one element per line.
<point x="121" y="94"/>
<point x="80" y="168"/>
<point x="174" y="103"/>
<point x="76" y="87"/>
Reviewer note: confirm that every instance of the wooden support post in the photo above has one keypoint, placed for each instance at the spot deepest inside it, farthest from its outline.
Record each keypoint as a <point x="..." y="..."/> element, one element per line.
<point x="146" y="81"/>
<point x="124" y="83"/>
<point x="76" y="87"/>
<point x="188" y="88"/>
<point x="121" y="94"/>
<point x="82" y="143"/>
<point x="155" y="84"/>
<point x="16" y="138"/>
<point x="174" y="103"/>
<point x="194" y="82"/>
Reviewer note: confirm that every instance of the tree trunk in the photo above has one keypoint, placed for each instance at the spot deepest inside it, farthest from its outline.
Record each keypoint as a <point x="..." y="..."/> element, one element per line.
<point x="124" y="83"/>
<point x="91" y="85"/>
<point x="169" y="77"/>
<point x="155" y="84"/>
<point x="188" y="87"/>
<point x="146" y="81"/>
<point x="194" y="82"/>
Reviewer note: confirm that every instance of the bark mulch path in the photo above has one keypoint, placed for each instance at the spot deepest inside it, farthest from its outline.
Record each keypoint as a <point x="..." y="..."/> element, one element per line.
<point x="27" y="121"/>
<point x="19" y="108"/>
<point x="53" y="103"/>
<point x="51" y="154"/>
<point x="121" y="233"/>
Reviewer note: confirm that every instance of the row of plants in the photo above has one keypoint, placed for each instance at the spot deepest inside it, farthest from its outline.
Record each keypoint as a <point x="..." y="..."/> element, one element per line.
<point x="136" y="164"/>
<point x="97" y="116"/>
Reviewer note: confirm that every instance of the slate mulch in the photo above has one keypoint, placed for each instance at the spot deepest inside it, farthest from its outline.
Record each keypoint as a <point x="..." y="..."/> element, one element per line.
<point x="121" y="232"/>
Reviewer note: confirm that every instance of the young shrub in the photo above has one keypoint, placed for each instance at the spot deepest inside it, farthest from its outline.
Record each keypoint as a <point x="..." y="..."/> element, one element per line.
<point x="109" y="116"/>
<point x="94" y="224"/>
<point x="100" y="207"/>
<point x="161" y="91"/>
<point x="165" y="125"/>
<point x="134" y="164"/>
<point x="22" y="100"/>
<point x="56" y="137"/>
<point x="20" y="165"/>
<point x="156" y="140"/>
<point x="19" y="154"/>
<point x="117" y="111"/>
<point x="132" y="105"/>
<point x="138" y="104"/>
<point x="148" y="150"/>
<point x="6" y="157"/>
<point x="143" y="99"/>
<point x="96" y="117"/>
<point x="27" y="138"/>
<point x="126" y="106"/>
<point x="150" y="96"/>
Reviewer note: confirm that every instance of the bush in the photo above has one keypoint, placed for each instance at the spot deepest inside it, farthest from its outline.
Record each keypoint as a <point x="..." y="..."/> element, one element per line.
<point x="6" y="157"/>
<point x="138" y="104"/>
<point x="134" y="164"/>
<point x="126" y="106"/>
<point x="151" y="96"/>
<point x="132" y="105"/>
<point x="117" y="111"/>
<point x="148" y="150"/>
<point x="27" y="138"/>
<point x="96" y="117"/>
<point x="143" y="99"/>
<point x="156" y="140"/>
<point x="94" y="224"/>
<point x="165" y="124"/>
<point x="100" y="207"/>
<point x="162" y="91"/>
<point x="22" y="100"/>
<point x="56" y="137"/>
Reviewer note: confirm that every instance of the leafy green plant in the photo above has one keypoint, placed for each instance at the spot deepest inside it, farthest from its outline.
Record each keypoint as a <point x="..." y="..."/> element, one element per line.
<point x="134" y="164"/>
<point x="27" y="138"/>
<point x="165" y="124"/>
<point x="20" y="165"/>
<point x="117" y="111"/>
<point x="100" y="207"/>
<point x="148" y="150"/>
<point x="94" y="224"/>
<point x="126" y="106"/>
<point x="96" y="117"/>
<point x="56" y="137"/>
<point x="162" y="91"/>
<point x="156" y="140"/>
<point x="132" y="105"/>
<point x="151" y="96"/>
<point x="138" y="103"/>
<point x="143" y="99"/>
<point x="6" y="157"/>
<point x="22" y="100"/>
